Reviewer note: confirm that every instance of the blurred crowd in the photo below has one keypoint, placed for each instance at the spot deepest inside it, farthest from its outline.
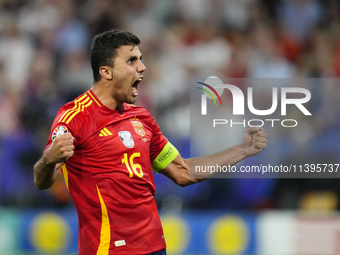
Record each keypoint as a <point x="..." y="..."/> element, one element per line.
<point x="44" y="47"/>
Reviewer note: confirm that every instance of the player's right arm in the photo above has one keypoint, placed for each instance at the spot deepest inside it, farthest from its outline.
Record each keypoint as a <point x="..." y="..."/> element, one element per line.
<point x="254" y="141"/>
<point x="47" y="168"/>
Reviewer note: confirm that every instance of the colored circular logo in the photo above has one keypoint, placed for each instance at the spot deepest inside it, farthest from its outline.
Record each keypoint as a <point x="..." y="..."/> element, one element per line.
<point x="228" y="235"/>
<point x="59" y="131"/>
<point x="49" y="233"/>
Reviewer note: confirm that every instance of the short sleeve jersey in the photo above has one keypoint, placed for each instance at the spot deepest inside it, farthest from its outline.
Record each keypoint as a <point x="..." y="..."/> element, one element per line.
<point x="110" y="176"/>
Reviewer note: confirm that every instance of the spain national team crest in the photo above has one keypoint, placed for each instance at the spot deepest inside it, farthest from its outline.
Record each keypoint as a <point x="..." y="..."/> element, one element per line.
<point x="59" y="131"/>
<point x="138" y="126"/>
<point x="126" y="138"/>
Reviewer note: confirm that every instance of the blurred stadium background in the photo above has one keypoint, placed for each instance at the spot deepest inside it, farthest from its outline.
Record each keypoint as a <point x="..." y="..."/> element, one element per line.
<point x="44" y="64"/>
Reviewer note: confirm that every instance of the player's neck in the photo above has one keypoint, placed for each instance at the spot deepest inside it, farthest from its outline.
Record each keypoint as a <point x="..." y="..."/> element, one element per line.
<point x="104" y="96"/>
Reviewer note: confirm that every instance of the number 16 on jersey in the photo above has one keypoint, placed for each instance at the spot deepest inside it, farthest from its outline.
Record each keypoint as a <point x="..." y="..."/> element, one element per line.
<point x="126" y="160"/>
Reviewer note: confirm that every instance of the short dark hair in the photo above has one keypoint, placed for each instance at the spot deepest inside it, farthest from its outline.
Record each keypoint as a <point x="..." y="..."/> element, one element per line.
<point x="104" y="48"/>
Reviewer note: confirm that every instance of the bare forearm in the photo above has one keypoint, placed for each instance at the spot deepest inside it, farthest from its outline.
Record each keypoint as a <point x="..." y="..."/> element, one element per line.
<point x="48" y="166"/>
<point x="45" y="173"/>
<point x="254" y="141"/>
<point x="228" y="157"/>
<point x="182" y="171"/>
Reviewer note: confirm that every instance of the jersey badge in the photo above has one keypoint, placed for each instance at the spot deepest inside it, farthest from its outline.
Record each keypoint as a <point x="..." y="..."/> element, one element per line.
<point x="139" y="129"/>
<point x="59" y="131"/>
<point x="138" y="126"/>
<point x="126" y="138"/>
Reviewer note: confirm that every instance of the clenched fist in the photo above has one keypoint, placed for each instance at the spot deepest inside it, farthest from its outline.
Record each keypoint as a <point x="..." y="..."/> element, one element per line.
<point x="61" y="149"/>
<point x="254" y="141"/>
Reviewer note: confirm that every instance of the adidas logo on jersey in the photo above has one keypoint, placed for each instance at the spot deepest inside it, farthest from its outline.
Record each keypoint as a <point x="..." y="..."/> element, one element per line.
<point x="105" y="132"/>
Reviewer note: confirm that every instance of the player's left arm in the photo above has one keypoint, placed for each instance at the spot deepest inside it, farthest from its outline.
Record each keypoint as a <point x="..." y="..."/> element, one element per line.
<point x="254" y="141"/>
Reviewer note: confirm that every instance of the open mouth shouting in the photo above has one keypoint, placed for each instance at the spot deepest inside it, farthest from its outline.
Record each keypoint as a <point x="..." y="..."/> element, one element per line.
<point x="135" y="86"/>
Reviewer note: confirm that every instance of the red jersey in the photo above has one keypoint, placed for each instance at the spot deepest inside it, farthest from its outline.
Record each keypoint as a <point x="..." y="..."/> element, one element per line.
<point x="110" y="177"/>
